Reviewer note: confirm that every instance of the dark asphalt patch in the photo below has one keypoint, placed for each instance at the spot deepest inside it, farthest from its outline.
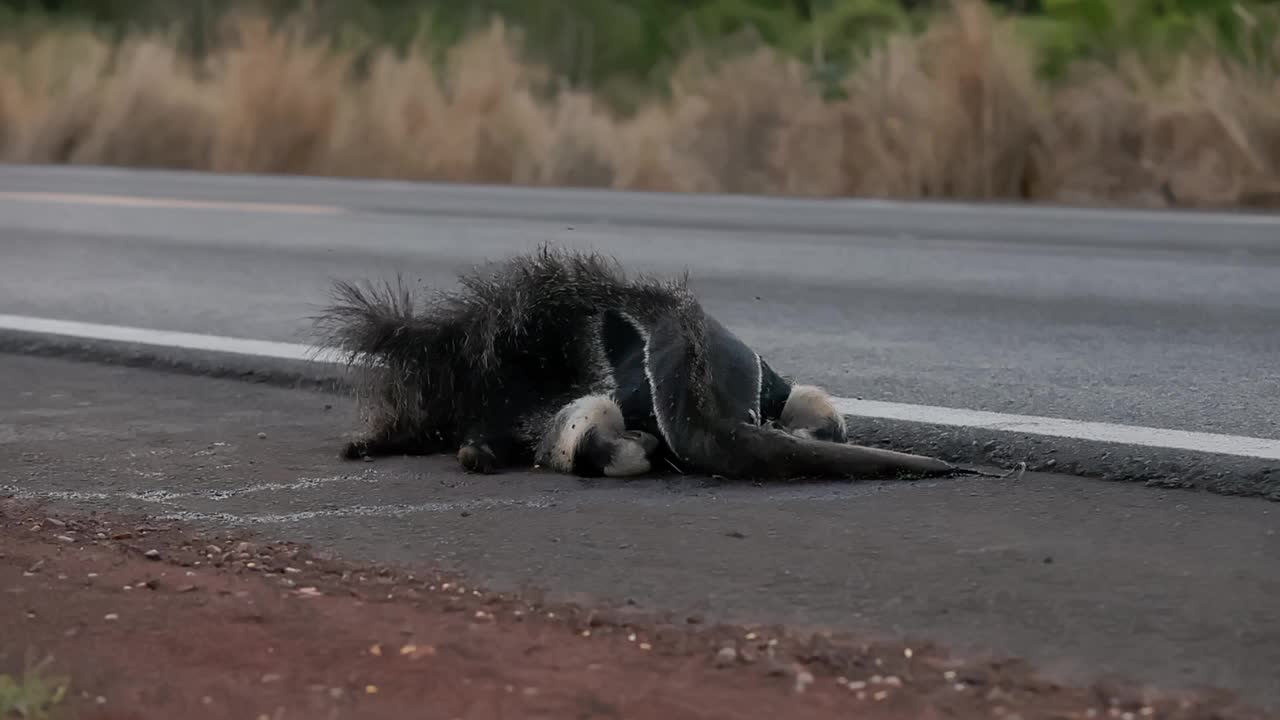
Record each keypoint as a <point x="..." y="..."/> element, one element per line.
<point x="1152" y="466"/>
<point x="1155" y="467"/>
<point x="1169" y="588"/>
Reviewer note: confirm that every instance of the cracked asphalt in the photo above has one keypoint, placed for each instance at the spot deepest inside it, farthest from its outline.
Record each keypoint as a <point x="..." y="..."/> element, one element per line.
<point x="1082" y="577"/>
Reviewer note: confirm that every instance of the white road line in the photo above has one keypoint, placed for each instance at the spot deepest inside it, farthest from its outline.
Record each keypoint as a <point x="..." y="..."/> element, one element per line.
<point x="163" y="497"/>
<point x="363" y="511"/>
<point x="351" y="511"/>
<point x="166" y="338"/>
<point x="131" y="201"/>
<point x="1230" y="445"/>
<point x="1236" y="445"/>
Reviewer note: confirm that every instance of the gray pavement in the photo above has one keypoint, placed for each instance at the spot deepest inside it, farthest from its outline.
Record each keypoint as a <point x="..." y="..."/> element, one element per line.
<point x="1166" y="320"/>
<point x="1083" y="577"/>
<point x="1163" y="320"/>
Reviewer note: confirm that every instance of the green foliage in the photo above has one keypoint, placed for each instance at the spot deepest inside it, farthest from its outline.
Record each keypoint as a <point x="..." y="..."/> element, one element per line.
<point x="33" y="696"/>
<point x="598" y="42"/>
<point x="1071" y="30"/>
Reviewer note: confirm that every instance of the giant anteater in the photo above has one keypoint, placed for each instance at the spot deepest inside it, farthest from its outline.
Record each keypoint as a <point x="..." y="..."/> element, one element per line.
<point x="556" y="358"/>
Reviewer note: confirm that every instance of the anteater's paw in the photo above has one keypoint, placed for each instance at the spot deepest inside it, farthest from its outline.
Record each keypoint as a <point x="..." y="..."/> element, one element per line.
<point x="646" y="441"/>
<point x="478" y="459"/>
<point x="629" y="454"/>
<point x="354" y="450"/>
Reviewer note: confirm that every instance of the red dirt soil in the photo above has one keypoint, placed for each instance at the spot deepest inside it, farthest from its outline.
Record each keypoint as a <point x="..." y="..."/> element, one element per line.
<point x="156" y="620"/>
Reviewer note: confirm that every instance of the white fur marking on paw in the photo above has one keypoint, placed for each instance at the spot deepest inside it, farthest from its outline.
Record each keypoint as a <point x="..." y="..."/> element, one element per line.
<point x="598" y="411"/>
<point x="629" y="459"/>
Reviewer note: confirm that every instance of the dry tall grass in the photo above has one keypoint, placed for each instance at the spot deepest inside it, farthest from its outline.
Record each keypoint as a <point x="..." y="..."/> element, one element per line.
<point x="956" y="112"/>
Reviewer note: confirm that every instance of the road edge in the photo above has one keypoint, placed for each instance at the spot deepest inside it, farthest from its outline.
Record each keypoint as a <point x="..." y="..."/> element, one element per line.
<point x="1116" y="462"/>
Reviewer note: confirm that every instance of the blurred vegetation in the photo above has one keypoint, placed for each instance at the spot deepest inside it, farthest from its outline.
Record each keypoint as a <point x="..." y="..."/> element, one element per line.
<point x="1145" y="102"/>
<point x="604" y="44"/>
<point x="32" y="695"/>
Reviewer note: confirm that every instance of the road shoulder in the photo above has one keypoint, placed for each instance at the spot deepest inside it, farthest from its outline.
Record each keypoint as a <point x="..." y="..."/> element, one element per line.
<point x="157" y="619"/>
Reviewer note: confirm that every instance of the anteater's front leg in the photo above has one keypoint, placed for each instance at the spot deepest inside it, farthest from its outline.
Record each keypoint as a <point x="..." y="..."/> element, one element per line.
<point x="395" y="439"/>
<point x="588" y="438"/>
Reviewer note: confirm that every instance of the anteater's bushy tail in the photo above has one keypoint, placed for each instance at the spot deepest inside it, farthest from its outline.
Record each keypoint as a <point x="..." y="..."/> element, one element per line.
<point x="496" y="306"/>
<point x="394" y="344"/>
<point x="432" y="352"/>
<point x="363" y="323"/>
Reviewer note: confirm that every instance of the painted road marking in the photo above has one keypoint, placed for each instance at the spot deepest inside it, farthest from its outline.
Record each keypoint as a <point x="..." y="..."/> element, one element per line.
<point x="167" y="339"/>
<point x="374" y="511"/>
<point x="1220" y="444"/>
<point x="171" y="509"/>
<point x="1236" y="445"/>
<point x="537" y="502"/>
<point x="132" y="201"/>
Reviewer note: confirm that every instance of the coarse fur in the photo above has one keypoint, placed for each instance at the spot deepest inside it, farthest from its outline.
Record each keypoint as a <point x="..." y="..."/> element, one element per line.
<point x="556" y="358"/>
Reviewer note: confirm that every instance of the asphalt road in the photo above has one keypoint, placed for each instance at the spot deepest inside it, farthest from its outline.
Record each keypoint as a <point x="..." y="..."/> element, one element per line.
<point x="1164" y="320"/>
<point x="1161" y="320"/>
<point x="1084" y="578"/>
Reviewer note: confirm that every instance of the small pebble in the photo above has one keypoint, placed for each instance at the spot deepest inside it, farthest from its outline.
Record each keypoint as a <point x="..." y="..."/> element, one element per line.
<point x="111" y="616"/>
<point x="151" y="554"/>
<point x="262" y="436"/>
<point x="726" y="657"/>
<point x="804" y="679"/>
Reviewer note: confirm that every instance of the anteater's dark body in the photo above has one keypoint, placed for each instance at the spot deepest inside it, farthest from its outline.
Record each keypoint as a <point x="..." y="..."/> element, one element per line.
<point x="556" y="358"/>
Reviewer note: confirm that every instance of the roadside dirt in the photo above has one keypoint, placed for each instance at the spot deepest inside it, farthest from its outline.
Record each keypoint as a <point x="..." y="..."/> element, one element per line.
<point x="158" y="620"/>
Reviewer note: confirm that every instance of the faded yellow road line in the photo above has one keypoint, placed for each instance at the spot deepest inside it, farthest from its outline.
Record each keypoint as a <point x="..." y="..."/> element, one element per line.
<point x="131" y="201"/>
